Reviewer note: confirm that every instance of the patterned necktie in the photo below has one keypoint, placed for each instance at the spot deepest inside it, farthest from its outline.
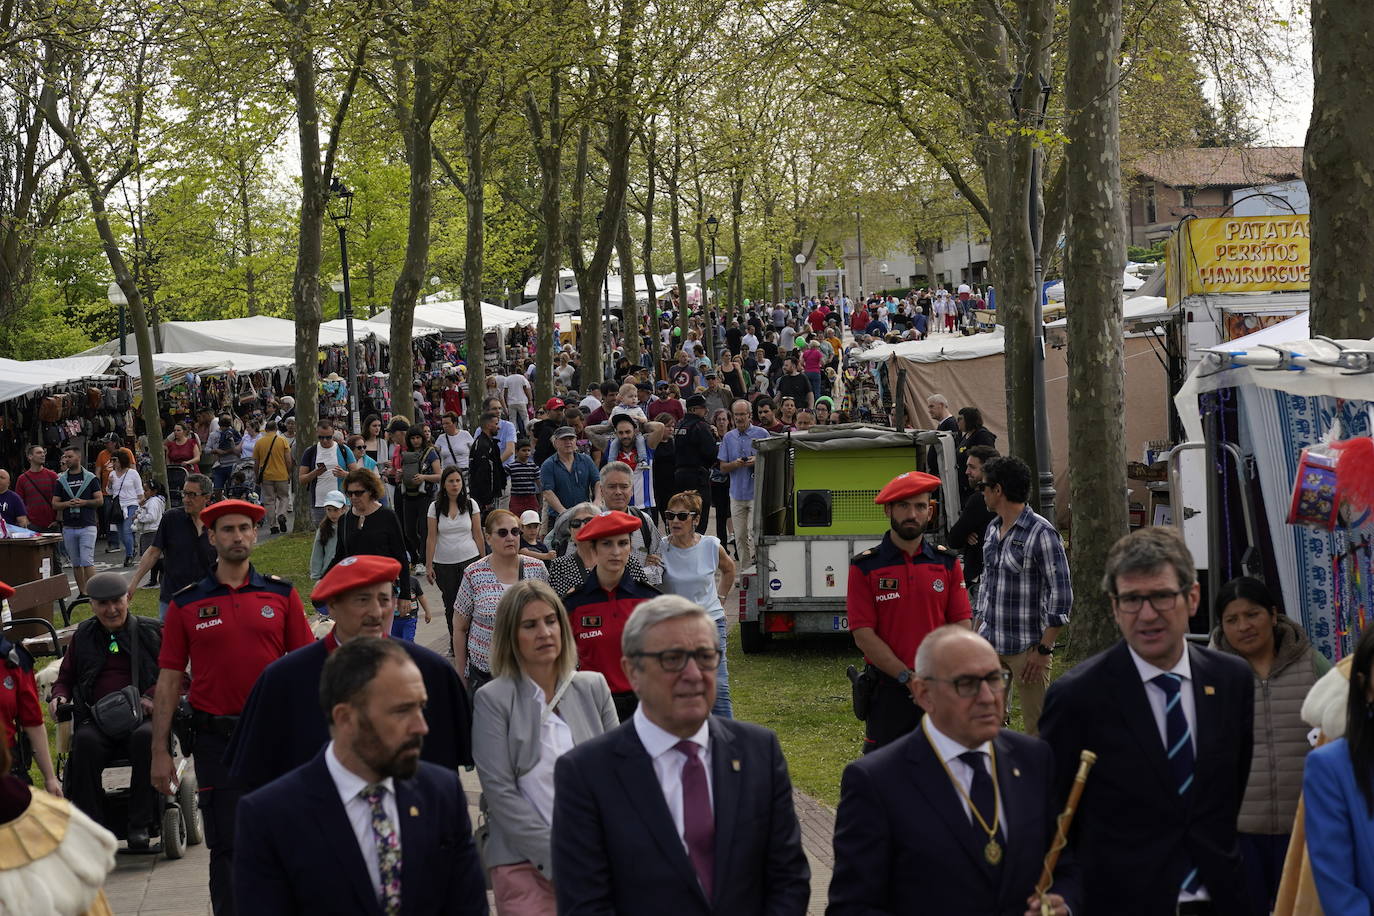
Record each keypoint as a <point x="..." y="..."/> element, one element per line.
<point x="388" y="850"/>
<point x="698" y="820"/>
<point x="1179" y="748"/>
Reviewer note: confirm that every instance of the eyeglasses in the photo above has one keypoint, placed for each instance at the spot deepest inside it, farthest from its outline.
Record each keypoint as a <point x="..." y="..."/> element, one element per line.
<point x="356" y="492"/>
<point x="674" y="660"/>
<point x="969" y="685"/>
<point x="578" y="522"/>
<point x="1160" y="601"/>
<point x="324" y="438"/>
<point x="191" y="494"/>
<point x="678" y="516"/>
<point x="505" y="532"/>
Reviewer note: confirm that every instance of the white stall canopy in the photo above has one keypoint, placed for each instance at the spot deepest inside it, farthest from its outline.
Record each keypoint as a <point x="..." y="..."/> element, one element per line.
<point x="449" y="316"/>
<point x="21" y="377"/>
<point x="260" y="334"/>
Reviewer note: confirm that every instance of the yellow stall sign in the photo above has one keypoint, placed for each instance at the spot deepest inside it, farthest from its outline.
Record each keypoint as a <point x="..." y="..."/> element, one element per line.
<point x="1239" y="255"/>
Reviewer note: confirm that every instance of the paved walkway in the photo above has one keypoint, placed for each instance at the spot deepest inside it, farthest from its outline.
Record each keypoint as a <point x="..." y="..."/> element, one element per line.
<point x="153" y="886"/>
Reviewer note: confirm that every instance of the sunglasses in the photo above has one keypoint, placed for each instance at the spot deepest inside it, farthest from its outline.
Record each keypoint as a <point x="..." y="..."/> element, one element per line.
<point x="505" y="532"/>
<point x="356" y="492"/>
<point x="678" y="516"/>
<point x="578" y="522"/>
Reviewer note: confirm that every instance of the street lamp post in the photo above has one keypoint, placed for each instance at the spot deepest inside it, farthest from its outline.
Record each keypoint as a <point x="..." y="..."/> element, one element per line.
<point x="120" y="301"/>
<point x="712" y="226"/>
<point x="340" y="210"/>
<point x="859" y="231"/>
<point x="608" y="343"/>
<point x="800" y="259"/>
<point x="1042" y="429"/>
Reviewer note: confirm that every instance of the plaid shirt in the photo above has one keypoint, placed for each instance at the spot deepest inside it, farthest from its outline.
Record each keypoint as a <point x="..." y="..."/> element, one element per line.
<point x="1025" y="588"/>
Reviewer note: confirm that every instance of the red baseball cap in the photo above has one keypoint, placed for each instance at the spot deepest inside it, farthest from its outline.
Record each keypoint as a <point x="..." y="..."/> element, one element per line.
<point x="553" y="404"/>
<point x="231" y="507"/>
<point x="905" y="486"/>
<point x="355" y="572"/>
<point x="608" y="524"/>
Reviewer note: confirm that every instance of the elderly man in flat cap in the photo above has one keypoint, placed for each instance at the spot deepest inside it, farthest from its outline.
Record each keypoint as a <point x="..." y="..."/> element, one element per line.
<point x="899" y="592"/>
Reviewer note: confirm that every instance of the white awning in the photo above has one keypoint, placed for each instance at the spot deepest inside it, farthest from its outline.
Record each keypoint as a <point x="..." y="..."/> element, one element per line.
<point x="260" y="334"/>
<point x="21" y="377"/>
<point x="938" y="349"/>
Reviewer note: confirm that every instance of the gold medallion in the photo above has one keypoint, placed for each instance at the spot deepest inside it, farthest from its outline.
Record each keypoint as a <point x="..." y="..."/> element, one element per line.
<point x="993" y="853"/>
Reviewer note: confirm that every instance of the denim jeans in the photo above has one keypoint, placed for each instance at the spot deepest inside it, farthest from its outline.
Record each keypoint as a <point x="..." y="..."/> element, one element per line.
<point x="722" y="707"/>
<point x="126" y="532"/>
<point x="403" y="628"/>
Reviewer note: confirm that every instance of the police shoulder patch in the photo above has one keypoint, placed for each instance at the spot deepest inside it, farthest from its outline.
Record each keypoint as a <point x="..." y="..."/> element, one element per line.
<point x="182" y="591"/>
<point x="281" y="580"/>
<point x="946" y="550"/>
<point x="866" y="554"/>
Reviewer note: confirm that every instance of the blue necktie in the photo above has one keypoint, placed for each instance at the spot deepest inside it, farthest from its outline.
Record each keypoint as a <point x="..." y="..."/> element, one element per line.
<point x="1179" y="748"/>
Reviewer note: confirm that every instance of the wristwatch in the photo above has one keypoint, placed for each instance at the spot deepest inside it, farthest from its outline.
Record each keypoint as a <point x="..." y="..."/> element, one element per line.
<point x="905" y="677"/>
<point x="1044" y="649"/>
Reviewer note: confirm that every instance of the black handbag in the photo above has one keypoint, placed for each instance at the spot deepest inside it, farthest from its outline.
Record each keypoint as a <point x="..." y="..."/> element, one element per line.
<point x="118" y="714"/>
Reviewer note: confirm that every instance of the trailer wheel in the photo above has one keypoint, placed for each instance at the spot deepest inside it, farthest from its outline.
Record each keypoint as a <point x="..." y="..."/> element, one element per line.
<point x="752" y="639"/>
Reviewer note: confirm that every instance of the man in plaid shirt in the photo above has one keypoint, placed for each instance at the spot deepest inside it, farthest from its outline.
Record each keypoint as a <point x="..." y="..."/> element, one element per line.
<point x="1025" y="594"/>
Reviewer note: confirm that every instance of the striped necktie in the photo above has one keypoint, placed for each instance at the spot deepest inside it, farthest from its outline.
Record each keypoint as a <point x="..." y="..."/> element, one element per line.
<point x="1179" y="748"/>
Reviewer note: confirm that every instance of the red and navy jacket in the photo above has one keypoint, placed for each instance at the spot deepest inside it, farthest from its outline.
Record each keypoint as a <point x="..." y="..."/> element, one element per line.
<point x="229" y="635"/>
<point x="902" y="597"/>
<point x="598" y="619"/>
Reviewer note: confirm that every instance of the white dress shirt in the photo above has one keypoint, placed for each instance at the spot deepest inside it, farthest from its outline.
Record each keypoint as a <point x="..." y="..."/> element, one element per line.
<point x="555" y="740"/>
<point x="949" y="751"/>
<point x="359" y="812"/>
<point x="668" y="763"/>
<point x="1158" y="704"/>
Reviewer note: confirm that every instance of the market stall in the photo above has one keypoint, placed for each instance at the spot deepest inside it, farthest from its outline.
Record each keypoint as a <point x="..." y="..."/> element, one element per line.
<point x="56" y="402"/>
<point x="260" y="334"/>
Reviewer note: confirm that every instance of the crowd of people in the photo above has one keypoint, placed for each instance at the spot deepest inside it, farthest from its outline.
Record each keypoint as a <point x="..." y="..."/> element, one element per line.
<point x="585" y="675"/>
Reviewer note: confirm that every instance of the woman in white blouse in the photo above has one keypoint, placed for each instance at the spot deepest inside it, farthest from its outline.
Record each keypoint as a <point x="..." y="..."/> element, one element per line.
<point x="126" y="486"/>
<point x="535" y="709"/>
<point x="455" y="538"/>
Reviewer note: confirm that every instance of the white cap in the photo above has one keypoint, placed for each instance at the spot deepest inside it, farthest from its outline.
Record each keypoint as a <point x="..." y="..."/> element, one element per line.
<point x="336" y="499"/>
<point x="529" y="517"/>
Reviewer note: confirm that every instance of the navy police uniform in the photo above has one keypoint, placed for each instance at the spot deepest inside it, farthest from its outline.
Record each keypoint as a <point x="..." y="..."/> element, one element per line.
<point x="228" y="635"/>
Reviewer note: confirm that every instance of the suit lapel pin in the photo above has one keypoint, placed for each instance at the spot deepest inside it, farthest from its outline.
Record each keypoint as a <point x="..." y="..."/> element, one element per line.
<point x="1209" y="690"/>
<point x="734" y="765"/>
<point x="1015" y="771"/>
<point x="414" y="811"/>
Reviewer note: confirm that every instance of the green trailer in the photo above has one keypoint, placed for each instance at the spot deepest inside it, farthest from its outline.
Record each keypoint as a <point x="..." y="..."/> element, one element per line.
<point x="814" y="511"/>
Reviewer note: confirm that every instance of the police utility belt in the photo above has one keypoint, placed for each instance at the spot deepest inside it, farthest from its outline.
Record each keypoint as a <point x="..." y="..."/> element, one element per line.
<point x="864" y="684"/>
<point x="207" y="723"/>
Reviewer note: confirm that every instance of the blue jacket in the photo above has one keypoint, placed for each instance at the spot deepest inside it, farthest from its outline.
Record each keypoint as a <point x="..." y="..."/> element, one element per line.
<point x="1340" y="832"/>
<point x="296" y="850"/>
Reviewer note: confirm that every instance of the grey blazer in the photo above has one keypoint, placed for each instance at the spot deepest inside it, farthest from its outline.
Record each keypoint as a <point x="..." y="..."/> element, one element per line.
<point x="506" y="745"/>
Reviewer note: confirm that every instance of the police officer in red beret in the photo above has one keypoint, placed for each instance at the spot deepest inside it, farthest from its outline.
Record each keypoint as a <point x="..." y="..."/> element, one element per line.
<point x="283" y="727"/>
<point x="229" y="626"/>
<point x="899" y="592"/>
<point x="599" y="608"/>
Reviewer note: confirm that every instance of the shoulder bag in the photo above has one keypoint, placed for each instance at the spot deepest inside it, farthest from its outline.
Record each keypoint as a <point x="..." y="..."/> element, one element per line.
<point x="118" y="714"/>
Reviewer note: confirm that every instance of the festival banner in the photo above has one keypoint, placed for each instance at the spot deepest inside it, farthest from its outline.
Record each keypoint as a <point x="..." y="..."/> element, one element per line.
<point x="1253" y="254"/>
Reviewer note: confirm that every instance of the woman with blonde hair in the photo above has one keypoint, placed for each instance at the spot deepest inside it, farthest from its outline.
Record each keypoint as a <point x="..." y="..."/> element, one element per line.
<point x="536" y="708"/>
<point x="483" y="586"/>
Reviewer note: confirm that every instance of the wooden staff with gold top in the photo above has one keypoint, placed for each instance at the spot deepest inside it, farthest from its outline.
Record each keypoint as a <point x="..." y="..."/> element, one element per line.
<point x="1086" y="759"/>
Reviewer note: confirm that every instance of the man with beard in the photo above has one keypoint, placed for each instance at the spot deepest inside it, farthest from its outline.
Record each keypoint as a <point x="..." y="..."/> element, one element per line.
<point x="281" y="727"/>
<point x="365" y="826"/>
<point x="899" y="592"/>
<point x="229" y="626"/>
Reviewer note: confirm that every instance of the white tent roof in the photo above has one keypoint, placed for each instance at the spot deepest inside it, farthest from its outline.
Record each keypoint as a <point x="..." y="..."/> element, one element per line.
<point x="208" y="362"/>
<point x="449" y="315"/>
<point x="938" y="349"/>
<point x="18" y="377"/>
<point x="1296" y="328"/>
<point x="260" y="334"/>
<point x="377" y="327"/>
<point x="1129" y="283"/>
<point x="1251" y="361"/>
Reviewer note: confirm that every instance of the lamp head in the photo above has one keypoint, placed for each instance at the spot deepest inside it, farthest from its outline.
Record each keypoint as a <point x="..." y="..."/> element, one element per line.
<point x="340" y="201"/>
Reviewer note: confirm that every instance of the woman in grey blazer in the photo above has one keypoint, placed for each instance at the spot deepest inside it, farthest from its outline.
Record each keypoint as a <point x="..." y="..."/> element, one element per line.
<point x="536" y="707"/>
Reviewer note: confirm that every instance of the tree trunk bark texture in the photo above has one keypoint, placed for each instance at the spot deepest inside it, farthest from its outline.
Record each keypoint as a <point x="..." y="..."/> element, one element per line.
<point x="1096" y="258"/>
<point x="474" y="196"/>
<point x="1339" y="167"/>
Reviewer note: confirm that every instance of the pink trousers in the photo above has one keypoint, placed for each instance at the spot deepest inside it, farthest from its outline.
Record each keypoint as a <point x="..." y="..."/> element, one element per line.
<point x="521" y="891"/>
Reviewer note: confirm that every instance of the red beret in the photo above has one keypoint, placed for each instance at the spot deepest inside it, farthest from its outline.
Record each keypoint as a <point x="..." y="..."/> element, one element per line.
<point x="5" y="591"/>
<point x="355" y="572"/>
<point x="905" y="486"/>
<point x="231" y="507"/>
<point x="608" y="524"/>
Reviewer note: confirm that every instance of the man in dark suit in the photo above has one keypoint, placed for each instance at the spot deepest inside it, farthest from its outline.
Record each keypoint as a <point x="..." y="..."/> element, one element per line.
<point x="1171" y="725"/>
<point x="955" y="817"/>
<point x="282" y="726"/>
<point x="676" y="811"/>
<point x="366" y="826"/>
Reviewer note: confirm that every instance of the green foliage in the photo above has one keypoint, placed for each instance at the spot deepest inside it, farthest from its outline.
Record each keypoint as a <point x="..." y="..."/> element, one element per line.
<point x="1145" y="255"/>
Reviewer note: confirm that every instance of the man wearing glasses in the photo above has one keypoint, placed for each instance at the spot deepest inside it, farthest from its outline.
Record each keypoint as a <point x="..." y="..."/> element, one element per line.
<point x="713" y="795"/>
<point x="1172" y="728"/>
<point x="982" y="795"/>
<point x="899" y="592"/>
<point x="1025" y="595"/>
<point x="181" y="543"/>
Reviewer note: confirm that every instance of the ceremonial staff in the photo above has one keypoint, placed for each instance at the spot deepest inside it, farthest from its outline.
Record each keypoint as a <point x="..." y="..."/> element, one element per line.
<point x="1086" y="759"/>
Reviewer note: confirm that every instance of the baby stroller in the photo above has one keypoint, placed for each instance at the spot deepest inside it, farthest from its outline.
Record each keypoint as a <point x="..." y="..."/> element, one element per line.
<point x="243" y="482"/>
